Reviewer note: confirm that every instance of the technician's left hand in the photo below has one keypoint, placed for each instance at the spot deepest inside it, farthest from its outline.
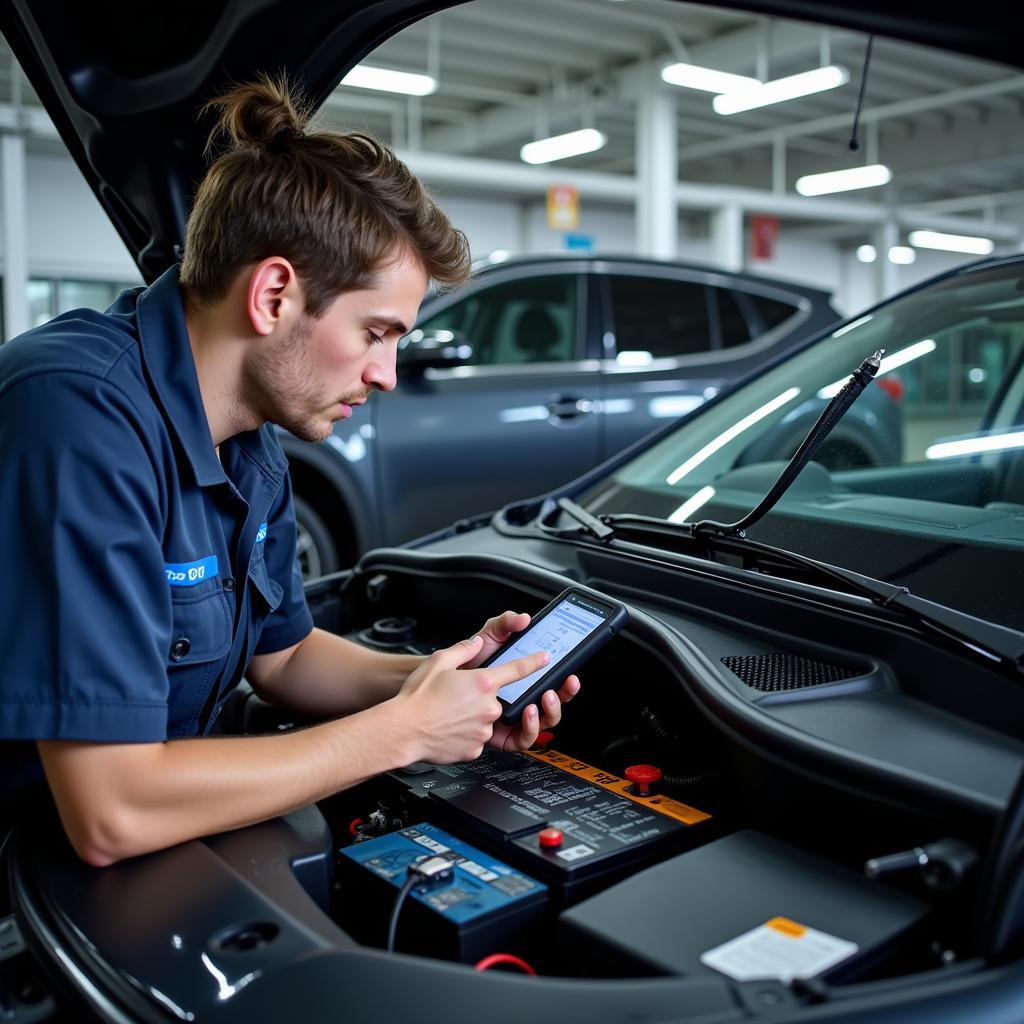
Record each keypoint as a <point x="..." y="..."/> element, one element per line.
<point x="507" y="737"/>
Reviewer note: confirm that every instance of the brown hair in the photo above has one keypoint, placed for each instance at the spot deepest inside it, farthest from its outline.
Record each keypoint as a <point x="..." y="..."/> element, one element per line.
<point x="337" y="206"/>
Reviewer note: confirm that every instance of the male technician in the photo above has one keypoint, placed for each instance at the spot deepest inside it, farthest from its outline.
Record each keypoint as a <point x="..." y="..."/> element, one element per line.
<point x="148" y="540"/>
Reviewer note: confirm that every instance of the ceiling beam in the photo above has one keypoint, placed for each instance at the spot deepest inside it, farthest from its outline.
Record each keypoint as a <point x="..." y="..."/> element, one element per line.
<point x="732" y="51"/>
<point x="508" y="178"/>
<point x="901" y="108"/>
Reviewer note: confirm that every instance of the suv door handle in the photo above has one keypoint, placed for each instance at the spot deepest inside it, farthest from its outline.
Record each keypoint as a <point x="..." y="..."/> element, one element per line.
<point x="563" y="407"/>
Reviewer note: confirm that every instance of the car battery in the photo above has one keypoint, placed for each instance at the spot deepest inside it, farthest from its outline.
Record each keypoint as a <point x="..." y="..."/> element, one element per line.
<point x="486" y="907"/>
<point x="747" y="906"/>
<point x="557" y="818"/>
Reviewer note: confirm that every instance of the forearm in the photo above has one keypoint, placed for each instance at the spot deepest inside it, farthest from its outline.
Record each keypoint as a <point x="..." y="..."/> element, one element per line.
<point x="326" y="676"/>
<point x="122" y="800"/>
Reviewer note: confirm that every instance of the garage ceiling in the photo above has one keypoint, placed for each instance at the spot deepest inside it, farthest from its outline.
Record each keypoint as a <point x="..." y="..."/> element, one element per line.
<point x="950" y="127"/>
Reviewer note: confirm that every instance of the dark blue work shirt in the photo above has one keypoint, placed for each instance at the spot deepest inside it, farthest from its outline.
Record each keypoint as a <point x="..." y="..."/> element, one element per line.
<point x="140" y="572"/>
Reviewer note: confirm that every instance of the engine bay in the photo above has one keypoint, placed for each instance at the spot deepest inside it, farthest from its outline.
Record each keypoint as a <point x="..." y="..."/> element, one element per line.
<point x="758" y="802"/>
<point x="640" y="838"/>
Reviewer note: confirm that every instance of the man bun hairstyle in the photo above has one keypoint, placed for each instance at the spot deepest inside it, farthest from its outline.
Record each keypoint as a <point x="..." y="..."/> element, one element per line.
<point x="339" y="206"/>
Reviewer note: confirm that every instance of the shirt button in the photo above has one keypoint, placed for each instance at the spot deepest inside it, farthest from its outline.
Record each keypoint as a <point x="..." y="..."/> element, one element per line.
<point x="229" y="583"/>
<point x="180" y="648"/>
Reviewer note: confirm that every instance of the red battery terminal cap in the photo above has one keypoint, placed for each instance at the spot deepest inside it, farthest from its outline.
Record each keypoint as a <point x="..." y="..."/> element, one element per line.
<point x="543" y="740"/>
<point x="643" y="776"/>
<point x="550" y="838"/>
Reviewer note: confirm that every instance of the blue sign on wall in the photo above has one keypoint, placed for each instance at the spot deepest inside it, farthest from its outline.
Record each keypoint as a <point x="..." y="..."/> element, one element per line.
<point x="573" y="241"/>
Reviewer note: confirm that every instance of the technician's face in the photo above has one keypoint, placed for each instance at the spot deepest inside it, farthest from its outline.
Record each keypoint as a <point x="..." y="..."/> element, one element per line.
<point x="323" y="367"/>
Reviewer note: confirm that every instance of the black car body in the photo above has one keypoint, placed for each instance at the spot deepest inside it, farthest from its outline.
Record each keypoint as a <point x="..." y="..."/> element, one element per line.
<point x="575" y="356"/>
<point x="808" y="720"/>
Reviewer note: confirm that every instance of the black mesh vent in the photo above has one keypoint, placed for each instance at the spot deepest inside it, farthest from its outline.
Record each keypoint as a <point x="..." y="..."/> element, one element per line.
<point x="775" y="672"/>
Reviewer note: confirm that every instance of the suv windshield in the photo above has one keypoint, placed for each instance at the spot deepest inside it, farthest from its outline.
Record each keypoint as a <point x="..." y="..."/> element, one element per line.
<point x="921" y="484"/>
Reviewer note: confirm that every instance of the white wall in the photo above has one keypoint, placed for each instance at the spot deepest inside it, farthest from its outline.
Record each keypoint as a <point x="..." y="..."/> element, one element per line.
<point x="857" y="280"/>
<point x="801" y="260"/>
<point x="69" y="235"/>
<point x="489" y="223"/>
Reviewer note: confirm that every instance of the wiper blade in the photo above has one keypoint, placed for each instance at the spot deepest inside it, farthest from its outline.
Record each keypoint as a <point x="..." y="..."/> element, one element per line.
<point x="1000" y="643"/>
<point x="591" y="524"/>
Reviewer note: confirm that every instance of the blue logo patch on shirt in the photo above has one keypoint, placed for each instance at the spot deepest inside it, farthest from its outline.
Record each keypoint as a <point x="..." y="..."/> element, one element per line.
<point x="188" y="574"/>
<point x="262" y="534"/>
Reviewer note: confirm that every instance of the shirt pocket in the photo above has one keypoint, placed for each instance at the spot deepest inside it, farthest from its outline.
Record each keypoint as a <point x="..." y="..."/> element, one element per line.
<point x="200" y="641"/>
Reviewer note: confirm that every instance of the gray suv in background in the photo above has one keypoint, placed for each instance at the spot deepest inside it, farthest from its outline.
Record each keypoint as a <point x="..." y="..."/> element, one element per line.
<point x="538" y="370"/>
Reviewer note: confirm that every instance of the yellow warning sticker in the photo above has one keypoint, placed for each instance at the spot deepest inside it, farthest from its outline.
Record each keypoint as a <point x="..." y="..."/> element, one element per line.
<point x="663" y="805"/>
<point x="787" y="927"/>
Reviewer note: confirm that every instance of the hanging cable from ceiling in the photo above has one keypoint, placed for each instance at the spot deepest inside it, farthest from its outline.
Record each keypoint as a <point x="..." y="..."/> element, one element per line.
<point x="854" y="140"/>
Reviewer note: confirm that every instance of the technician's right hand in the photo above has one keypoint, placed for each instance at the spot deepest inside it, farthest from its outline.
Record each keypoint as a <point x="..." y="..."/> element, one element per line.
<point x="447" y="713"/>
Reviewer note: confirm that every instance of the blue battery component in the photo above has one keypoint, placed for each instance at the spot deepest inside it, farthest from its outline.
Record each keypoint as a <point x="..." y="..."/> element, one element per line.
<point x="485" y="906"/>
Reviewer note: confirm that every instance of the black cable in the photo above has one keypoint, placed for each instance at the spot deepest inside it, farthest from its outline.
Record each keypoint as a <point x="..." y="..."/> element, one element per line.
<point x="407" y="887"/>
<point x="699" y="780"/>
<point x="660" y="731"/>
<point x="854" y="141"/>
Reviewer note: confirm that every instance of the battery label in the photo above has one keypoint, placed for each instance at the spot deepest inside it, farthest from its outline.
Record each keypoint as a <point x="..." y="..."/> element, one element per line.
<point x="481" y="885"/>
<point x="663" y="805"/>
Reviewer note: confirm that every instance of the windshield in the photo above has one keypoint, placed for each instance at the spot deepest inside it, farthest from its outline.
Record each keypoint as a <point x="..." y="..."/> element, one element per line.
<point x="921" y="483"/>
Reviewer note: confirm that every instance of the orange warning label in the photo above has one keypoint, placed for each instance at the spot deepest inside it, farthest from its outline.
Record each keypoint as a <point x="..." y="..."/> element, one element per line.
<point x="663" y="805"/>
<point x="787" y="927"/>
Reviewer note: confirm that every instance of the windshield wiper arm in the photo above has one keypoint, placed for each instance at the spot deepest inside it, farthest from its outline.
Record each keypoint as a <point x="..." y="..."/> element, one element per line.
<point x="1000" y="643"/>
<point x="591" y="524"/>
<point x="836" y="409"/>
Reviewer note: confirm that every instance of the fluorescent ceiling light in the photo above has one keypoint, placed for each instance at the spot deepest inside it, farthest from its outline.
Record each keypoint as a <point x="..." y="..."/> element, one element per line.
<point x="900" y="358"/>
<point x="852" y="327"/>
<point x="558" y="147"/>
<point x="789" y="88"/>
<point x="867" y="253"/>
<point x="951" y="243"/>
<point x="701" y="498"/>
<point x="692" y="76"/>
<point x="846" y="180"/>
<point x="362" y="76"/>
<point x="976" y="445"/>
<point x="728" y="435"/>
<point x="902" y="254"/>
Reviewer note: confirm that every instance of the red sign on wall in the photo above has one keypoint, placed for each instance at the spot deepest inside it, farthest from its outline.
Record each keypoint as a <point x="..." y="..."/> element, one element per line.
<point x="764" y="231"/>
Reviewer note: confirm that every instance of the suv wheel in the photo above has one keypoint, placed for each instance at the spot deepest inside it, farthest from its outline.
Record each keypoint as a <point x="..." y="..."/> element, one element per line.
<point x="315" y="547"/>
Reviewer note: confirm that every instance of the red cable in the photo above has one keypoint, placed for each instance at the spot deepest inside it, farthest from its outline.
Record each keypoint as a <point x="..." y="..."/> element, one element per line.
<point x="504" y="958"/>
<point x="353" y="826"/>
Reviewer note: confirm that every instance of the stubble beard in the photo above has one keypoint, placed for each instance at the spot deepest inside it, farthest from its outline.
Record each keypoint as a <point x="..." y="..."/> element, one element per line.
<point x="280" y="384"/>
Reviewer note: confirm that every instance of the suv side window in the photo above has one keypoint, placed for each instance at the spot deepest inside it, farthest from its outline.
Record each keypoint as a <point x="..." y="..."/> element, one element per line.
<point x="772" y="311"/>
<point x="733" y="328"/>
<point x="659" y="316"/>
<point x="531" y="320"/>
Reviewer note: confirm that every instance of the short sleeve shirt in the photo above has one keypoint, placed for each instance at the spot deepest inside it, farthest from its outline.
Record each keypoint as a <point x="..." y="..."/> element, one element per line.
<point x="141" y="570"/>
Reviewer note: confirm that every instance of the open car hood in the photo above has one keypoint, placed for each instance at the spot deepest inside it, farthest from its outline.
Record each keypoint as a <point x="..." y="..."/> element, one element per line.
<point x="124" y="84"/>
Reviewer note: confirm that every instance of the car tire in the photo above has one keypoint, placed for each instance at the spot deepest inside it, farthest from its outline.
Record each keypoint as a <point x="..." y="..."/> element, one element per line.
<point x="315" y="548"/>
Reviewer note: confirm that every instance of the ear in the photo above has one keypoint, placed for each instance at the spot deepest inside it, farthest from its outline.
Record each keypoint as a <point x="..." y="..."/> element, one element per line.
<point x="274" y="294"/>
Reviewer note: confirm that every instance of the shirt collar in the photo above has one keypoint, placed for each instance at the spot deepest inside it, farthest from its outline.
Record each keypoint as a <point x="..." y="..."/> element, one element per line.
<point x="167" y="356"/>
